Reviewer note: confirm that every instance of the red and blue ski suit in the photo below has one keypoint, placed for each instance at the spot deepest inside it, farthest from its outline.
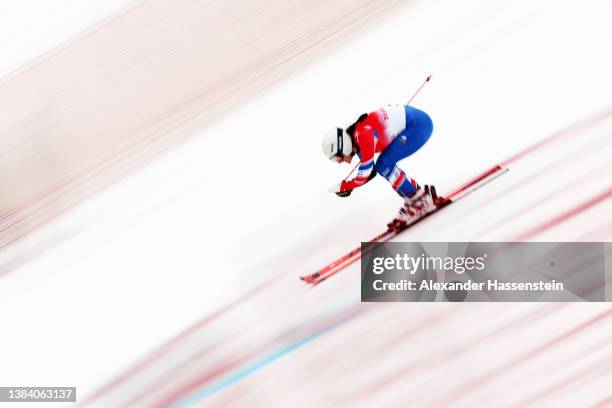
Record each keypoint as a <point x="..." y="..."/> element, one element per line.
<point x="396" y="132"/>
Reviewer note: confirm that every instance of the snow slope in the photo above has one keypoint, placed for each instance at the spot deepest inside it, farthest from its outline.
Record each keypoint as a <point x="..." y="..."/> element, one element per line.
<point x="223" y="225"/>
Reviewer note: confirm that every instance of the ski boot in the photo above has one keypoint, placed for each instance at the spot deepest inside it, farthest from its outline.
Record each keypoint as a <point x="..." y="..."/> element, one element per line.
<point x="421" y="203"/>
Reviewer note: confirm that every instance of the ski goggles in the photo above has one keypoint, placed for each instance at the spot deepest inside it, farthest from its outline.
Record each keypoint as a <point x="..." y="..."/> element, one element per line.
<point x="340" y="143"/>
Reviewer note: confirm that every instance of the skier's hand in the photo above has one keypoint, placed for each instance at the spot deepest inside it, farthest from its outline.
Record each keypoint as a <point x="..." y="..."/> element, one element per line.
<point x="341" y="190"/>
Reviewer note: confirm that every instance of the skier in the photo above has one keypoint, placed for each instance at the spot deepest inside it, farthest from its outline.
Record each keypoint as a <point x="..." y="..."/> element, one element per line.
<point x="396" y="132"/>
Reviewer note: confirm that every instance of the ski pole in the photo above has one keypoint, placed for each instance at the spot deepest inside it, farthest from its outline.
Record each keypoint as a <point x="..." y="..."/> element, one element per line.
<point x="419" y="90"/>
<point x="348" y="175"/>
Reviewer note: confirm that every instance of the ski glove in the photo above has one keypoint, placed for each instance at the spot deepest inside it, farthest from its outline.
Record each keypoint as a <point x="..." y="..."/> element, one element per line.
<point x="340" y="189"/>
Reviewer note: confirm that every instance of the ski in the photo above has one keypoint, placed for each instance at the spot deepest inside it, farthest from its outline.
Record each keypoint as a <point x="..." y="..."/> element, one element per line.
<point x="355" y="254"/>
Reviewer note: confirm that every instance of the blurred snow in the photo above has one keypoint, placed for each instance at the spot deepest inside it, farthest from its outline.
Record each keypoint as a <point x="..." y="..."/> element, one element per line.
<point x="245" y="201"/>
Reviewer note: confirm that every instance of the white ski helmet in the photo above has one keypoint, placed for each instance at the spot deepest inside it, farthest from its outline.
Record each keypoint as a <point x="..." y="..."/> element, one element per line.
<point x="337" y="143"/>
